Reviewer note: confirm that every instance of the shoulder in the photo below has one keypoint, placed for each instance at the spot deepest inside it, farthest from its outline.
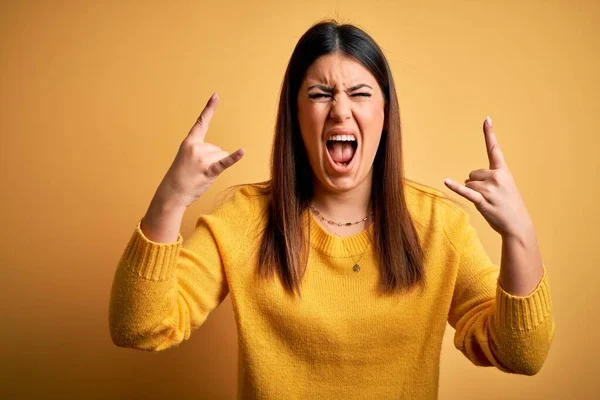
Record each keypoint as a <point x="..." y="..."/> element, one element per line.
<point x="244" y="196"/>
<point x="240" y="204"/>
<point x="423" y="201"/>
<point x="231" y="230"/>
<point x="432" y="209"/>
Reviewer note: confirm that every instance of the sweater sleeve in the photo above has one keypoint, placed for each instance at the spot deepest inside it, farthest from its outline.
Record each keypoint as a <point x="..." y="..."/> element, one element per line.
<point x="493" y="327"/>
<point x="161" y="292"/>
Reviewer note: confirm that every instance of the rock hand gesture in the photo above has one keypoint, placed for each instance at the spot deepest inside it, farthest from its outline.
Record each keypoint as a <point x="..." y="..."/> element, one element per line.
<point x="194" y="169"/>
<point x="197" y="163"/>
<point x="494" y="193"/>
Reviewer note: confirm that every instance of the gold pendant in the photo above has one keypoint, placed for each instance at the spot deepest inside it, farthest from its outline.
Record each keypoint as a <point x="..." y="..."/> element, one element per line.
<point x="356" y="268"/>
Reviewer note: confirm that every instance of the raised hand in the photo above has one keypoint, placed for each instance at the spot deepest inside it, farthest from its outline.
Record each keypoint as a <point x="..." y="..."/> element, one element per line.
<point x="197" y="163"/>
<point x="494" y="191"/>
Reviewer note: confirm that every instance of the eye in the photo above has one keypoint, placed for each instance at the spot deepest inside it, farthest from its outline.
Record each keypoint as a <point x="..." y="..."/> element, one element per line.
<point x="361" y="95"/>
<point x="318" y="95"/>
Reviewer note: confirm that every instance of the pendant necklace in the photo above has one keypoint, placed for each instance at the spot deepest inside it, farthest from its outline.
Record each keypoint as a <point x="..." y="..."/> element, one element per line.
<point x="356" y="266"/>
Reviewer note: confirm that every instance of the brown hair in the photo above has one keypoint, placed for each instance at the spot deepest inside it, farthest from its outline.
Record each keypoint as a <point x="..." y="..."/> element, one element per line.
<point x="284" y="246"/>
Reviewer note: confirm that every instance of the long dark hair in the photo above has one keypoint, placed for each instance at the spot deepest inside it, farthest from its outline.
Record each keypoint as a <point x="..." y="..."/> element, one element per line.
<point x="285" y="245"/>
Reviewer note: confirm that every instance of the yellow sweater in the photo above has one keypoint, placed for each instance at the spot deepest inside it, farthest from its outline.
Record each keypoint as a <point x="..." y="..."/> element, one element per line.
<point x="341" y="340"/>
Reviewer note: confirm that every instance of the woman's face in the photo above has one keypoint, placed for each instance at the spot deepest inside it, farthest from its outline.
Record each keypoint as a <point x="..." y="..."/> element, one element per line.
<point x="341" y="116"/>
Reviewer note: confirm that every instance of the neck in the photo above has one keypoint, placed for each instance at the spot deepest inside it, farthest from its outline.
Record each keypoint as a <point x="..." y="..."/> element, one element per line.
<point x="347" y="206"/>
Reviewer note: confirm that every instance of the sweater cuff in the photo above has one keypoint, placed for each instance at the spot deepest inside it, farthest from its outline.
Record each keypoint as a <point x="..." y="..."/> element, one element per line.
<point x="151" y="260"/>
<point x="524" y="313"/>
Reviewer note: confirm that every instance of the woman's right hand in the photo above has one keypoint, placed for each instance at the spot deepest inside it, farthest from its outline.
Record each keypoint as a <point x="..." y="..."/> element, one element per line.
<point x="197" y="163"/>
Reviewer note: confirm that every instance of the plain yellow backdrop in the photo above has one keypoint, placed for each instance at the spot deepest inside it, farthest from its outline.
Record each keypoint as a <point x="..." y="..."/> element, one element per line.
<point x="95" y="98"/>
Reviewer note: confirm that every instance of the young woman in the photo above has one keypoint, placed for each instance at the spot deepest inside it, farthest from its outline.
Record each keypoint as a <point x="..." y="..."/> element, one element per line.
<point x="342" y="273"/>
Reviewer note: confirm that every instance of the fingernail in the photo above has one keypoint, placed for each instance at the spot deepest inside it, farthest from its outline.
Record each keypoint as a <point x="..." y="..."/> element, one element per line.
<point x="447" y="181"/>
<point x="488" y="121"/>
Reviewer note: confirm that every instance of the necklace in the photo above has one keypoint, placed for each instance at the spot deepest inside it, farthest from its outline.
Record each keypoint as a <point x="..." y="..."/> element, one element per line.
<point x="330" y="222"/>
<point x="356" y="266"/>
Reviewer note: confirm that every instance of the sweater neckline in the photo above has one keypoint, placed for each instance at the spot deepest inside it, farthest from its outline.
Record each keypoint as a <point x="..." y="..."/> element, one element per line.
<point x="331" y="245"/>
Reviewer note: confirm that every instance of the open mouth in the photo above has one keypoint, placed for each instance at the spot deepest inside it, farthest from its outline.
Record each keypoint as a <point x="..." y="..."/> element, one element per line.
<point x="342" y="148"/>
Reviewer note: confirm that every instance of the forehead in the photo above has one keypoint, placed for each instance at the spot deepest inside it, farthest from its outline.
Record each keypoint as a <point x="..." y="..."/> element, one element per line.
<point x="338" y="69"/>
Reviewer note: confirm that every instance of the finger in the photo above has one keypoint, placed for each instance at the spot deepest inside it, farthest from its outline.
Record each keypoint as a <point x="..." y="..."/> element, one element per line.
<point x="217" y="167"/>
<point x="479" y="175"/>
<point x="495" y="155"/>
<point x="200" y="128"/>
<point x="480" y="187"/>
<point x="469" y="194"/>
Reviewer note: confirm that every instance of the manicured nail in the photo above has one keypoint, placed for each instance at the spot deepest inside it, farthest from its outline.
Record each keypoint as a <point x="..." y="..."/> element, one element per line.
<point x="488" y="121"/>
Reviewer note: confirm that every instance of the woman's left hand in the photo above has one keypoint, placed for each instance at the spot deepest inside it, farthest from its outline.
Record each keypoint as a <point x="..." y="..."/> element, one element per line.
<point x="494" y="192"/>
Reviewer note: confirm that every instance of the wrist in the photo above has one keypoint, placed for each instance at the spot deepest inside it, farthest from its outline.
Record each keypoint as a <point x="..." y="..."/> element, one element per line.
<point x="160" y="207"/>
<point x="164" y="201"/>
<point x="523" y="234"/>
<point x="162" y="221"/>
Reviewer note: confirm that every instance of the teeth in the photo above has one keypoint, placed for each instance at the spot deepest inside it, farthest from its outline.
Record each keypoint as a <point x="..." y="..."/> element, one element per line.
<point x="342" y="138"/>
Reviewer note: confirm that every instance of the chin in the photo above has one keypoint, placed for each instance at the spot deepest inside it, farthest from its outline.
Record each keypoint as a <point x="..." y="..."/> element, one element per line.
<point x="340" y="184"/>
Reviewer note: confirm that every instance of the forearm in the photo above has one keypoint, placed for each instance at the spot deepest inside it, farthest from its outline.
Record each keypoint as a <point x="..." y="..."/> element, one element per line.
<point x="143" y="313"/>
<point x="143" y="304"/>
<point x="521" y="264"/>
<point x="161" y="291"/>
<point x="506" y="323"/>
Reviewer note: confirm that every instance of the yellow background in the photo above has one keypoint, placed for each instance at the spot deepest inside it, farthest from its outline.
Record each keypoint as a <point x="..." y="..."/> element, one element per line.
<point x="95" y="100"/>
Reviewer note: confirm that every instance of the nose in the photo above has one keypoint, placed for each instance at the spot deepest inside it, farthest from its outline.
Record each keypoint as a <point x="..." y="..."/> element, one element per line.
<point x="340" y="108"/>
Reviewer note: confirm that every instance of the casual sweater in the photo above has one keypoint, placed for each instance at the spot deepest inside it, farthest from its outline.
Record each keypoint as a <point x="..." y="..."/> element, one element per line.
<point x="340" y="339"/>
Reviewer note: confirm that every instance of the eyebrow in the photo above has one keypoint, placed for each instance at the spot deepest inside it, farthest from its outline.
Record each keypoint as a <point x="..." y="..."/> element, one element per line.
<point x="330" y="90"/>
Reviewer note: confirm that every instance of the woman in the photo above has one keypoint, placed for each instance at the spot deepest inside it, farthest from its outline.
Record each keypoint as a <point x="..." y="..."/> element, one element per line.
<point x="342" y="273"/>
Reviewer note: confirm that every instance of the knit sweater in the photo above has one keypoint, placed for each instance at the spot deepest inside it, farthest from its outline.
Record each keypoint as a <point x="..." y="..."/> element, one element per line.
<point x="340" y="339"/>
